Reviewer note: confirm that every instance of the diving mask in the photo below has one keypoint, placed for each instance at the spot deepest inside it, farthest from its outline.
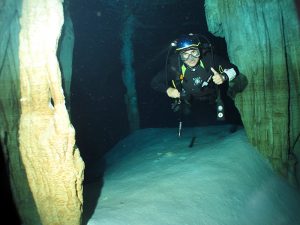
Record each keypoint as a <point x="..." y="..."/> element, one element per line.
<point x="185" y="55"/>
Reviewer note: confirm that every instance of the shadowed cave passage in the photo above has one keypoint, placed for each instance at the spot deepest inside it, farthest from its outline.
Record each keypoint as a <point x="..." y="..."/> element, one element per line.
<point x="97" y="92"/>
<point x="98" y="106"/>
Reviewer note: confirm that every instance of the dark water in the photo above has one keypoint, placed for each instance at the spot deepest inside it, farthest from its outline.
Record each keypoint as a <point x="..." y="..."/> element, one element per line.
<point x="98" y="108"/>
<point x="8" y="211"/>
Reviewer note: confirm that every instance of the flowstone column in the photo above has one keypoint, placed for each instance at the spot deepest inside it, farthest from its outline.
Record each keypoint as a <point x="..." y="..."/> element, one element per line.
<point x="53" y="165"/>
<point x="129" y="74"/>
<point x="10" y="111"/>
<point x="263" y="41"/>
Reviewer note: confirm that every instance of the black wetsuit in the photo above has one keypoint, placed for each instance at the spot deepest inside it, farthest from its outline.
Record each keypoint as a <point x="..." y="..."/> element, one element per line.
<point x="197" y="81"/>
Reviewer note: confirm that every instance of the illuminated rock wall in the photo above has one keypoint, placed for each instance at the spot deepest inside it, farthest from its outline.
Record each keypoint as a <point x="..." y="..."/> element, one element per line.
<point x="10" y="110"/>
<point x="45" y="168"/>
<point x="263" y="40"/>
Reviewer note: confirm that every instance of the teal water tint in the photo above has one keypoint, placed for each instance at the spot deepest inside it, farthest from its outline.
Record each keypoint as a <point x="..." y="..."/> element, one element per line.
<point x="98" y="102"/>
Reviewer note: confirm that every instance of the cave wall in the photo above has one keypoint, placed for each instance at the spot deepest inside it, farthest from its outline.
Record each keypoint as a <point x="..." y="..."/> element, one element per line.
<point x="37" y="138"/>
<point x="263" y="41"/>
<point x="10" y="111"/>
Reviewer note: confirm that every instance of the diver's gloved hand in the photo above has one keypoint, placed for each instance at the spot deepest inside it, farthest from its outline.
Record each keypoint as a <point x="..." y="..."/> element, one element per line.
<point x="217" y="77"/>
<point x="173" y="92"/>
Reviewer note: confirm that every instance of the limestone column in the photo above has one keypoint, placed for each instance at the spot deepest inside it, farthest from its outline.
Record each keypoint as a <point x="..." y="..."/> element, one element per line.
<point x="127" y="56"/>
<point x="46" y="137"/>
<point x="10" y="111"/>
<point x="263" y="41"/>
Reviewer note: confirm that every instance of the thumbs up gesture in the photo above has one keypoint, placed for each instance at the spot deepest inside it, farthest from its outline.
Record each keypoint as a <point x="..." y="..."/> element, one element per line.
<point x="217" y="77"/>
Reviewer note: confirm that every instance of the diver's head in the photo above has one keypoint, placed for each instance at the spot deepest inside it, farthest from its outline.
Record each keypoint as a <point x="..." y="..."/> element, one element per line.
<point x="190" y="56"/>
<point x="188" y="48"/>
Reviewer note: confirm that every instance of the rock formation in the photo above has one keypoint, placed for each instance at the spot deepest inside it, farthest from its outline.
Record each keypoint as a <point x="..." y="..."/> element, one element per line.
<point x="128" y="73"/>
<point x="45" y="168"/>
<point x="10" y="110"/>
<point x="263" y="41"/>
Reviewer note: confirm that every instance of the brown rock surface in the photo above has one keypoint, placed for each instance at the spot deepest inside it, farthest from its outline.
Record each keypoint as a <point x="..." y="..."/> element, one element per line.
<point x="45" y="168"/>
<point x="263" y="41"/>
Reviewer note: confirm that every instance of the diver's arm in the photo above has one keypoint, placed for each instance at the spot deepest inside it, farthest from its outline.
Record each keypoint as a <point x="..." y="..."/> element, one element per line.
<point x="159" y="82"/>
<point x="227" y="69"/>
<point x="162" y="82"/>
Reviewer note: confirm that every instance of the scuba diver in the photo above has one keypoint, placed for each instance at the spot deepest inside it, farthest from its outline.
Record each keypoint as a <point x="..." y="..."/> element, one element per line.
<point x="194" y="73"/>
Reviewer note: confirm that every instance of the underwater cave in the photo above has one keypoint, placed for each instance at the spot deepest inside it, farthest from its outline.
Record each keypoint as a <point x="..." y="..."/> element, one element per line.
<point x="85" y="139"/>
